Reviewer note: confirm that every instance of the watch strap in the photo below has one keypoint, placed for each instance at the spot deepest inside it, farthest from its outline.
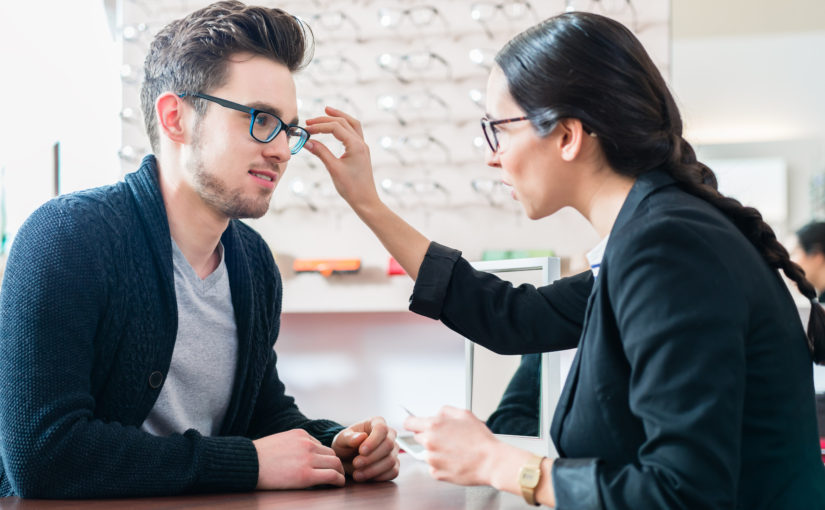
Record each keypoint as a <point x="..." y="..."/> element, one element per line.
<point x="529" y="493"/>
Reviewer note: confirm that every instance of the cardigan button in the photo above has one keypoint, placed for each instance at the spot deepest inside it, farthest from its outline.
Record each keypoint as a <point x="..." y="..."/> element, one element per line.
<point x="155" y="380"/>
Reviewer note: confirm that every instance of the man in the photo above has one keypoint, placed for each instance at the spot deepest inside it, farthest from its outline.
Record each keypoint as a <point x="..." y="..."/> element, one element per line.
<point x="809" y="253"/>
<point x="138" y="320"/>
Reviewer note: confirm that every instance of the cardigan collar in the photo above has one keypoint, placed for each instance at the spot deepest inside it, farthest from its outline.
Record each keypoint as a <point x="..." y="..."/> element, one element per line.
<point x="145" y="188"/>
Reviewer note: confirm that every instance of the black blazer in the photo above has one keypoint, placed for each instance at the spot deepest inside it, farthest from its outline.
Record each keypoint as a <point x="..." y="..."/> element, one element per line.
<point x="692" y="385"/>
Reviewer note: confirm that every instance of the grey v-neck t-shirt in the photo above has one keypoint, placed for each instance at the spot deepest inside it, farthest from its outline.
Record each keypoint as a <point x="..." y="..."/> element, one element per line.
<point x="197" y="389"/>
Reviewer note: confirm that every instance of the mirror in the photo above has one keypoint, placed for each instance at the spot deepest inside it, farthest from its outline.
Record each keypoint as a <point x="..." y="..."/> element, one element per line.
<point x="516" y="395"/>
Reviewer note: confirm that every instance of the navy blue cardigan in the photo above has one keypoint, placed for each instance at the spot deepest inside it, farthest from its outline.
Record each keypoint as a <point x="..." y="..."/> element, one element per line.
<point x="88" y="320"/>
<point x="692" y="385"/>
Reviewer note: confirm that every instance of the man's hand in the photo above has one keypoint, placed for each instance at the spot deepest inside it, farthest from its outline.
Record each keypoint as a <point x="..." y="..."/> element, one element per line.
<point x="296" y="460"/>
<point x="368" y="450"/>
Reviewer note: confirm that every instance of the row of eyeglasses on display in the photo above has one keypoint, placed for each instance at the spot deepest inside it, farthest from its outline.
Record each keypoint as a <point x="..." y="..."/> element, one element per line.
<point x="331" y="22"/>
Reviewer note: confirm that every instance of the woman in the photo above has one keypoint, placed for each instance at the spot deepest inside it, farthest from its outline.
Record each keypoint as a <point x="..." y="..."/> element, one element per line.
<point x="691" y="386"/>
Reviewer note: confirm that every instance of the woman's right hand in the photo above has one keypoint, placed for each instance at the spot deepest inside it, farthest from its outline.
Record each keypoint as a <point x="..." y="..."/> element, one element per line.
<point x="352" y="172"/>
<point x="352" y="175"/>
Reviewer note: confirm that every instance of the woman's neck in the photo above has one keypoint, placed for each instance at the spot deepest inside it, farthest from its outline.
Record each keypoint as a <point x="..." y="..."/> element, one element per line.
<point x="604" y="199"/>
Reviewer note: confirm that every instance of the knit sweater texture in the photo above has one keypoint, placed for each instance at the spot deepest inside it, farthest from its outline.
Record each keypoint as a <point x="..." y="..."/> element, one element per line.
<point x="88" y="320"/>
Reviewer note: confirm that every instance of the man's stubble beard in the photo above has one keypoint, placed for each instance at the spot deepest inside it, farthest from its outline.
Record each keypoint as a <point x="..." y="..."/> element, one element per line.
<point x="214" y="191"/>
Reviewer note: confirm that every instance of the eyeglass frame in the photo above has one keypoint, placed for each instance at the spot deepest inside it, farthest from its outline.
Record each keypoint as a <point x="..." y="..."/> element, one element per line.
<point x="408" y="13"/>
<point x="254" y="112"/>
<point x="403" y="62"/>
<point x="493" y="123"/>
<point x="343" y="16"/>
<point x="400" y="102"/>
<point x="485" y="122"/>
<point x="496" y="7"/>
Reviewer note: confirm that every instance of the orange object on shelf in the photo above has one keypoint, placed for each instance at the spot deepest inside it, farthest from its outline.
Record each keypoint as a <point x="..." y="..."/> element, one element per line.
<point x="326" y="266"/>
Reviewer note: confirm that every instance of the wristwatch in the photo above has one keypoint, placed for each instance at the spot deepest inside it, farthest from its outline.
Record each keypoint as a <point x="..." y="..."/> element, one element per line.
<point x="528" y="479"/>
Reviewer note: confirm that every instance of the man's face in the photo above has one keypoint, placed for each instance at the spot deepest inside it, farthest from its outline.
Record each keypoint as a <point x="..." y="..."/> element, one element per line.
<point x="230" y="171"/>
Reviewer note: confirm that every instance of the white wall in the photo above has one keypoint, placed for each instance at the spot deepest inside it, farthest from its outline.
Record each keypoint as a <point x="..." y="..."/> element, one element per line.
<point x="59" y="83"/>
<point x="757" y="96"/>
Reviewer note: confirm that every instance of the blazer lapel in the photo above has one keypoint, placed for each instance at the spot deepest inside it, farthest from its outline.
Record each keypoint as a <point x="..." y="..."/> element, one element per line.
<point x="565" y="400"/>
<point x="645" y="184"/>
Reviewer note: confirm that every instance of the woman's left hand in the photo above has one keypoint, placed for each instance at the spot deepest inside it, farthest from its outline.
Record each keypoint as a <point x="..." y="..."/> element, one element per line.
<point x="368" y="450"/>
<point x="460" y="447"/>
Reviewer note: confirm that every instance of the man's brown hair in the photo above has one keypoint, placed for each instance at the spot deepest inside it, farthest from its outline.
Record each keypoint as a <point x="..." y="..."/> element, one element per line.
<point x="190" y="54"/>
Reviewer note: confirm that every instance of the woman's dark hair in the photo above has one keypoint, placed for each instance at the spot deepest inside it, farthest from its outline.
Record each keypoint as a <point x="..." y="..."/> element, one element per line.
<point x="191" y="54"/>
<point x="811" y="238"/>
<point x="594" y="69"/>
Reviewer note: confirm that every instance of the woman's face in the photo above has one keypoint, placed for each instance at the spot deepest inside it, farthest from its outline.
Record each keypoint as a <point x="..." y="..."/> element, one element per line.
<point x="529" y="163"/>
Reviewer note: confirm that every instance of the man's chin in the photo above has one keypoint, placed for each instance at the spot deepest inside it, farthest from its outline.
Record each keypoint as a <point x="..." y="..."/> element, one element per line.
<point x="249" y="214"/>
<point x="246" y="210"/>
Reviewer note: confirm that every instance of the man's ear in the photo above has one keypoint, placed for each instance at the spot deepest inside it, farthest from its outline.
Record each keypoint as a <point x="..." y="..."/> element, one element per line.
<point x="169" y="111"/>
<point x="570" y="141"/>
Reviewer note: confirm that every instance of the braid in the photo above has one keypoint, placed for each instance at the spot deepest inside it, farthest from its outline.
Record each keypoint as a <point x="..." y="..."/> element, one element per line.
<point x="698" y="180"/>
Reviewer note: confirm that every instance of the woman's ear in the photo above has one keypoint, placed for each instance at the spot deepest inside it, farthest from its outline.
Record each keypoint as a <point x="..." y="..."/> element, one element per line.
<point x="169" y="111"/>
<point x="571" y="139"/>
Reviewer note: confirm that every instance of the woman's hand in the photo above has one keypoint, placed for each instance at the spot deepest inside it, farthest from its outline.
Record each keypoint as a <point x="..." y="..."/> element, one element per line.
<point x="460" y="447"/>
<point x="352" y="172"/>
<point x="462" y="450"/>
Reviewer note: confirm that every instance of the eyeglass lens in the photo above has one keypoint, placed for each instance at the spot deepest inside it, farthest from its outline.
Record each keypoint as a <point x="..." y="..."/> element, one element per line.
<point x="265" y="127"/>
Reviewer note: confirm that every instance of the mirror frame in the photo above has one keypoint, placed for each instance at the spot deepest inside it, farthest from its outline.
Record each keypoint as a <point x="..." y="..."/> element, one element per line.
<point x="550" y="378"/>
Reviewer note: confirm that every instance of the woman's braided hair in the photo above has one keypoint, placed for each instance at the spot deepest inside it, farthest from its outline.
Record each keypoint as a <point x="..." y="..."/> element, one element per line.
<point x="594" y="69"/>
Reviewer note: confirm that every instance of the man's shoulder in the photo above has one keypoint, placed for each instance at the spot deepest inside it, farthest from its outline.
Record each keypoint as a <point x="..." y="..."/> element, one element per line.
<point x="89" y="213"/>
<point x="109" y="202"/>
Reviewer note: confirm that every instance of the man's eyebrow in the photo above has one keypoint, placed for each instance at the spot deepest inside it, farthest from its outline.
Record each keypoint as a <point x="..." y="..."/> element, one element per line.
<point x="265" y="107"/>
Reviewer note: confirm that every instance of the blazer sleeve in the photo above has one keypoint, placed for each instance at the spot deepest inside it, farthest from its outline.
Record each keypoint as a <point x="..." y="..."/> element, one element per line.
<point x="275" y="411"/>
<point x="491" y="312"/>
<point x="51" y="442"/>
<point x="682" y="322"/>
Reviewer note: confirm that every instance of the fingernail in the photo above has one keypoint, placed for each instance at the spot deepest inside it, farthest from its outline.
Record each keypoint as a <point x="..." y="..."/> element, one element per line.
<point x="308" y="144"/>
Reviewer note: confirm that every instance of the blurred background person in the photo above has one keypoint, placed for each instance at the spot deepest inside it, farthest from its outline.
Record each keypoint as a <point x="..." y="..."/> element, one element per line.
<point x="809" y="253"/>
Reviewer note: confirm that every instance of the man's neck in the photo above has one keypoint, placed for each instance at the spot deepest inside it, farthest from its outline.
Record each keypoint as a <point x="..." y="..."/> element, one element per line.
<point x="195" y="226"/>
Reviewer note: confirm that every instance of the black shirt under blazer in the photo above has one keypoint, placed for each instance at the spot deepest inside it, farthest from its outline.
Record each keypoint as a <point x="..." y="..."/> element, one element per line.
<point x="692" y="385"/>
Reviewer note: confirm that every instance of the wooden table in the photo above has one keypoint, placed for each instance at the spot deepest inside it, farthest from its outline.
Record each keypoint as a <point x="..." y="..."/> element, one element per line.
<point x="414" y="489"/>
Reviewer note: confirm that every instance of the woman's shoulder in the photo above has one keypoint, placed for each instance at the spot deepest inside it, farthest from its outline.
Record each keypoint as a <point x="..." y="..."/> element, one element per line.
<point x="678" y="220"/>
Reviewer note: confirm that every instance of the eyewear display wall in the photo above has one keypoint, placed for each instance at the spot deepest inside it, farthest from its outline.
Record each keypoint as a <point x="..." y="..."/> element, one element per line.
<point x="413" y="71"/>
